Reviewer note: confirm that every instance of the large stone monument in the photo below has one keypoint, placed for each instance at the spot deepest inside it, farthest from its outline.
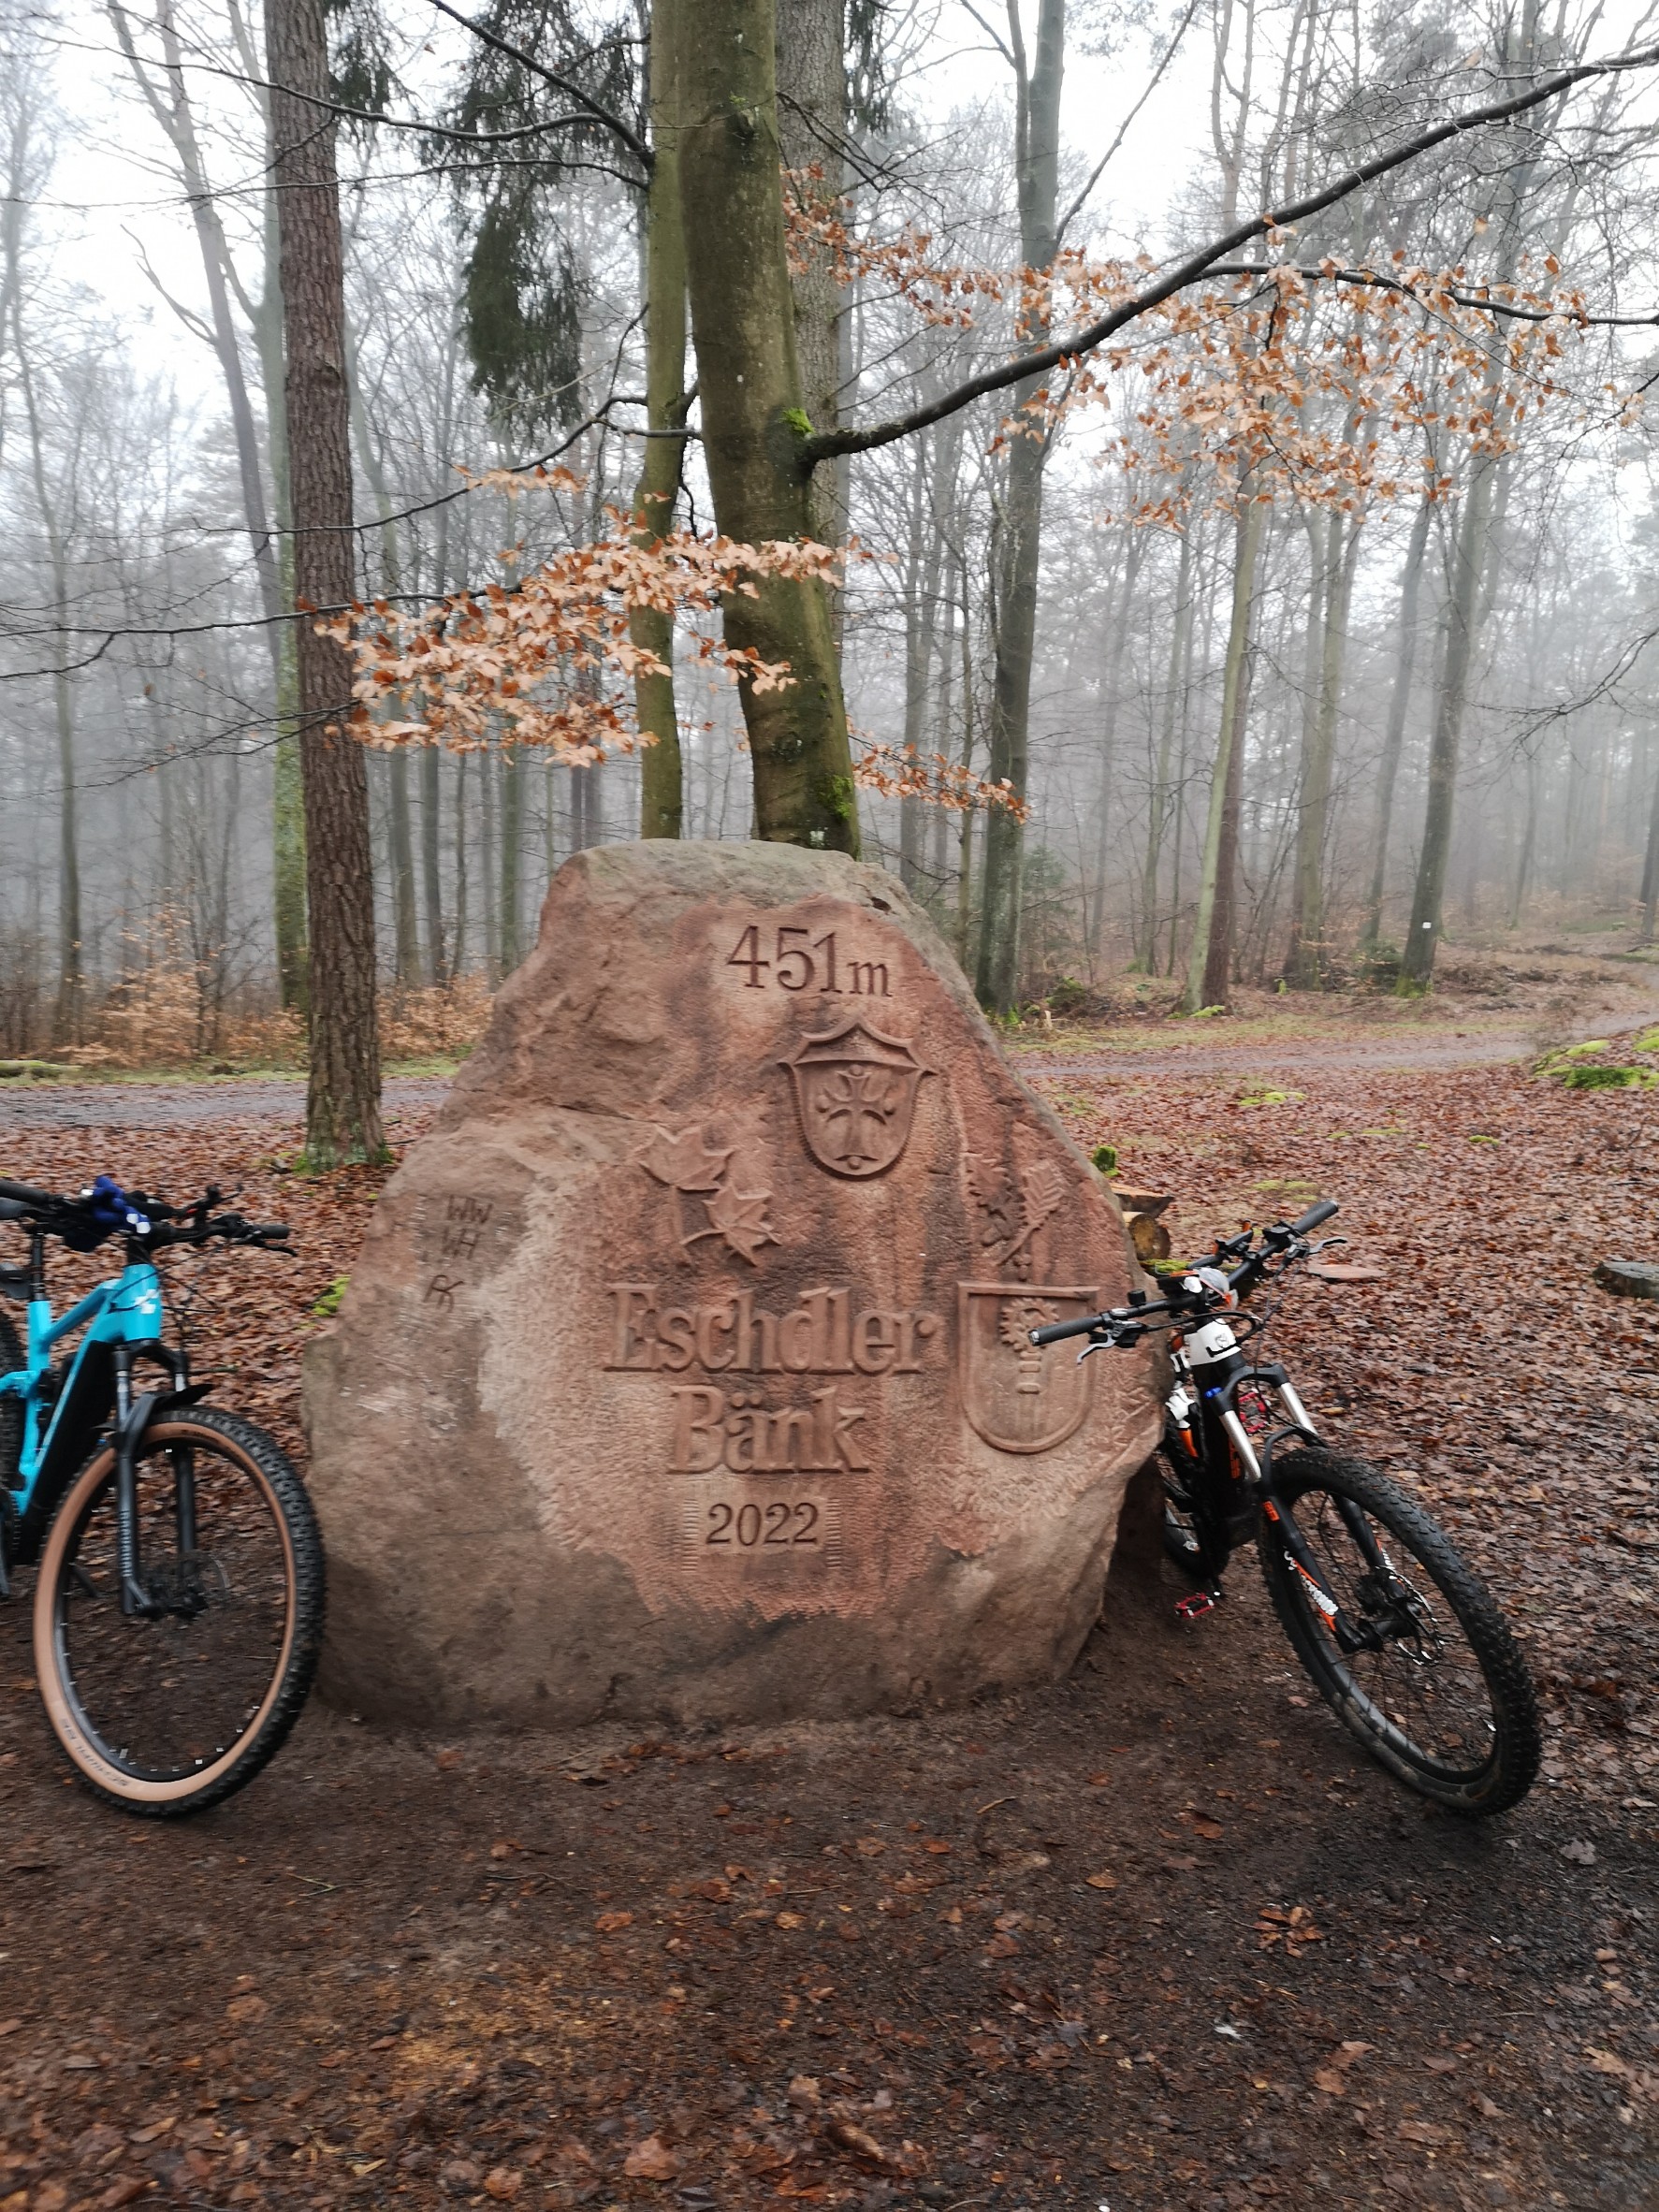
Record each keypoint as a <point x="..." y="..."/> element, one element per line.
<point x="684" y="1372"/>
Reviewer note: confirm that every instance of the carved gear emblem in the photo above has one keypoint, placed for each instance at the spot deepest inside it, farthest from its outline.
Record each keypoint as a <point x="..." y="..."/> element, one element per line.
<point x="1018" y="1396"/>
<point x="856" y="1091"/>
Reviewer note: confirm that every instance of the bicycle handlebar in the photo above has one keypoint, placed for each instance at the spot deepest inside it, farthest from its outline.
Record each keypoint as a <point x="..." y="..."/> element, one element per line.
<point x="106" y="1210"/>
<point x="22" y="1195"/>
<point x="1127" y="1323"/>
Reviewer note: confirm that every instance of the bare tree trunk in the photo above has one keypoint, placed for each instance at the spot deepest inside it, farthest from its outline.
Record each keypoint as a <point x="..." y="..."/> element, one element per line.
<point x="71" y="991"/>
<point x="1036" y="164"/>
<point x="1118" y="624"/>
<point x="510" y="928"/>
<point x="812" y="49"/>
<point x="1529" y="845"/>
<point x="399" y="837"/>
<point x="1466" y="604"/>
<point x="166" y="93"/>
<point x="754" y="422"/>
<point x="1158" y="799"/>
<point x="486" y="870"/>
<point x="1394" y="736"/>
<point x="1308" y="962"/>
<point x="343" y="1099"/>
<point x="459" y="953"/>
<point x="661" y="791"/>
<point x="1210" y="952"/>
<point x="918" y="656"/>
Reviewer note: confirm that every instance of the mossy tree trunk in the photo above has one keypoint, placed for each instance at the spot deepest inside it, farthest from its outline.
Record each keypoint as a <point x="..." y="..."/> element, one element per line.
<point x="754" y="421"/>
<point x="661" y="782"/>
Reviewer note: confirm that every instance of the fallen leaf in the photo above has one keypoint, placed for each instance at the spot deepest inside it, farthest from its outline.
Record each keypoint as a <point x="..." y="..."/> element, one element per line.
<point x="609" y="1923"/>
<point x="850" y="2136"/>
<point x="791" y="1920"/>
<point x="1101" y="1881"/>
<point x="504" y="2183"/>
<point x="1606" y="2062"/>
<point x="1580" y="1851"/>
<point x="1211" y="1830"/>
<point x="651" y="2161"/>
<point x="246" y="2011"/>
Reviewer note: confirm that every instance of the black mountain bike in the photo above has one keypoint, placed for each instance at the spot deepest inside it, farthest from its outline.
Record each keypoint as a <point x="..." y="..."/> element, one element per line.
<point x="1399" y="1635"/>
<point x="179" y="1599"/>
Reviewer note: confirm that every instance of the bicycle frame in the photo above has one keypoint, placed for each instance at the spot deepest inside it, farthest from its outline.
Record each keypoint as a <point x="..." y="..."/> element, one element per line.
<point x="123" y="1320"/>
<point x="1211" y="1369"/>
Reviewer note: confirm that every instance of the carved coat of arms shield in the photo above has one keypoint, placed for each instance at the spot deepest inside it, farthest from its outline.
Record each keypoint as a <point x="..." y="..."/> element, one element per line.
<point x="856" y="1091"/>
<point x="1020" y="1397"/>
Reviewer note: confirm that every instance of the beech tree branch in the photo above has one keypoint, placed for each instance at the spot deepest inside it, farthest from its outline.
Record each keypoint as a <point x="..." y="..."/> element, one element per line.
<point x="1465" y="295"/>
<point x="830" y="445"/>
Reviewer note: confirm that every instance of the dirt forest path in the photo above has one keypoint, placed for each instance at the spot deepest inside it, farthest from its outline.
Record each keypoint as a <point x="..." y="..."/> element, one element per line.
<point x="1153" y="1937"/>
<point x="164" y="1105"/>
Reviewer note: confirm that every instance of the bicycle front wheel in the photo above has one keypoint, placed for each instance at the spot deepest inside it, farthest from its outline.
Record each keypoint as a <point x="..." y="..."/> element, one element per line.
<point x="167" y="1709"/>
<point x="1440" y="1694"/>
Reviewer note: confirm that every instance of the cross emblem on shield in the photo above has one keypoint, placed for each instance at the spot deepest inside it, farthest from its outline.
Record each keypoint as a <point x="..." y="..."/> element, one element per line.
<point x="856" y="1091"/>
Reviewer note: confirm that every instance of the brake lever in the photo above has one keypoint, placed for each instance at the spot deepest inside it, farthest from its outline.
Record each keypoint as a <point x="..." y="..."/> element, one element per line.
<point x="1323" y="1244"/>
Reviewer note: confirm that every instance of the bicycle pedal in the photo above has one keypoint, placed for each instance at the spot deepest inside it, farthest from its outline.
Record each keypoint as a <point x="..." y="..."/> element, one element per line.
<point x="1196" y="1603"/>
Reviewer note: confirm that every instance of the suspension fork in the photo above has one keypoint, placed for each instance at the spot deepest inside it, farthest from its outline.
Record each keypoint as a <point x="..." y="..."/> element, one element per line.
<point x="132" y="1416"/>
<point x="1349" y="1639"/>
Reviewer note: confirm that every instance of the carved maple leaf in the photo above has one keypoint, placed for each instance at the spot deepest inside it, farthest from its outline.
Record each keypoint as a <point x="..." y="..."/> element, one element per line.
<point x="684" y="1162"/>
<point x="740" y="1215"/>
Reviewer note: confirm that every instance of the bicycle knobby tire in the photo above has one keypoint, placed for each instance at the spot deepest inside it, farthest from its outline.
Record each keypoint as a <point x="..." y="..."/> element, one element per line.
<point x="267" y="1467"/>
<point x="1417" y="1730"/>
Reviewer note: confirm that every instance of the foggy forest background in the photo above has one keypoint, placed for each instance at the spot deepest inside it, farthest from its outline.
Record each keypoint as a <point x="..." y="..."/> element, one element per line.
<point x="494" y="305"/>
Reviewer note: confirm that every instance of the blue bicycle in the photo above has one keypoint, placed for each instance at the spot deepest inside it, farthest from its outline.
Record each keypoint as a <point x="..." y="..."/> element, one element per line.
<point x="178" y="1596"/>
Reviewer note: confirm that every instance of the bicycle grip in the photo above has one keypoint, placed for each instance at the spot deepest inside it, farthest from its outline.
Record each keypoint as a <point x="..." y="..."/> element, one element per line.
<point x="1059" y="1329"/>
<point x="1312" y="1218"/>
<point x="25" y="1196"/>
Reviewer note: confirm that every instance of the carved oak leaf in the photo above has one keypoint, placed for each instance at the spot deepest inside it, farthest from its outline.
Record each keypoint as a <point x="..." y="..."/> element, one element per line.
<point x="740" y="1215"/>
<point x="684" y="1162"/>
<point x="993" y="1188"/>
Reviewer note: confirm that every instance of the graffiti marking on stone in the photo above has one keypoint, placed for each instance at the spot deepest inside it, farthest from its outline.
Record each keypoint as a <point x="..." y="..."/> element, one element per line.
<point x="855" y="1088"/>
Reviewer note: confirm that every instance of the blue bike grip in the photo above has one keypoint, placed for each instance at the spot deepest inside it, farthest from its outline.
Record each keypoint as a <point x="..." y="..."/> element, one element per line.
<point x="1312" y="1218"/>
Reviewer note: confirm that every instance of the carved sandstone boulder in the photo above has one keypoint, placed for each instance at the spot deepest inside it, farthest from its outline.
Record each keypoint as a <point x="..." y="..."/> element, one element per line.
<point x="684" y="1371"/>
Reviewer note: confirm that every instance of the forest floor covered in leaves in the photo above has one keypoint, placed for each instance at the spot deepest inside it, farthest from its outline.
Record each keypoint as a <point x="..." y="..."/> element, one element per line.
<point x="1151" y="1938"/>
